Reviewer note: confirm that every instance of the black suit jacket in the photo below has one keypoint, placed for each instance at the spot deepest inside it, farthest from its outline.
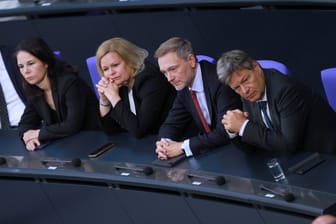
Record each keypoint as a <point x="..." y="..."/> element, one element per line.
<point x="302" y="120"/>
<point x="14" y="74"/>
<point x="76" y="109"/>
<point x="153" y="96"/>
<point x="220" y="98"/>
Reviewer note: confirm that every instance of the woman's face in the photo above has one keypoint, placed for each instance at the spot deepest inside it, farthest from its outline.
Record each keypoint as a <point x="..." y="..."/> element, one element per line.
<point x="32" y="69"/>
<point x="115" y="69"/>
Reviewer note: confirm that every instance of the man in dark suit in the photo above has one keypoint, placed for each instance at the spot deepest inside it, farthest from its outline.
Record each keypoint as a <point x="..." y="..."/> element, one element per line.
<point x="12" y="92"/>
<point x="294" y="118"/>
<point x="192" y="125"/>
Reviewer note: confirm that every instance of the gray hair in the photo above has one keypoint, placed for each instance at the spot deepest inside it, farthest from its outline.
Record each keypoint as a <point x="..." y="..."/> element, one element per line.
<point x="181" y="46"/>
<point x="230" y="62"/>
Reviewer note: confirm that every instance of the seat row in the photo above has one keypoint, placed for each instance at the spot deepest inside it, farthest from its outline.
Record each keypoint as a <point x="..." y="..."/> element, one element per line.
<point x="328" y="75"/>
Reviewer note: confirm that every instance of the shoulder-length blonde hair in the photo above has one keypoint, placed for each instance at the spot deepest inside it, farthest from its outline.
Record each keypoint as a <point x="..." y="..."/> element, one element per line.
<point x="133" y="55"/>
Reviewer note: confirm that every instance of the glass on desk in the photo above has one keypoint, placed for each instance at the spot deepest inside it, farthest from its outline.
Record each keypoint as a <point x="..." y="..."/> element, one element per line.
<point x="276" y="170"/>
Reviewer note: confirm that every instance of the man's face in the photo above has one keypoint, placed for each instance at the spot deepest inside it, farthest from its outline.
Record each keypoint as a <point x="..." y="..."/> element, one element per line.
<point x="249" y="84"/>
<point x="178" y="71"/>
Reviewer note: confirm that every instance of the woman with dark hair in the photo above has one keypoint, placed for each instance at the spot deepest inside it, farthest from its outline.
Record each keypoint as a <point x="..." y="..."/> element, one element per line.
<point x="59" y="102"/>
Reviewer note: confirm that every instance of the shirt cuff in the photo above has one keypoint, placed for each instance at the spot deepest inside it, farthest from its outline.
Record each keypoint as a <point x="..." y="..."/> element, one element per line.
<point x="186" y="147"/>
<point x="242" y="128"/>
<point x="231" y="134"/>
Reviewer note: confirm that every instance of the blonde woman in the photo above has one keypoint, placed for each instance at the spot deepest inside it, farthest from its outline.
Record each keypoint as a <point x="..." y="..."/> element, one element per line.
<point x="134" y="94"/>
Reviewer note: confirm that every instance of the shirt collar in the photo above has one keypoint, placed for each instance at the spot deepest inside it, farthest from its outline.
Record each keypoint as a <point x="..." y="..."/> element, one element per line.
<point x="264" y="97"/>
<point x="198" y="81"/>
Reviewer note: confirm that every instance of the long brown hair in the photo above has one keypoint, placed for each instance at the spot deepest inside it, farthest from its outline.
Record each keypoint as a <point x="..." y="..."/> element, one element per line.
<point x="40" y="49"/>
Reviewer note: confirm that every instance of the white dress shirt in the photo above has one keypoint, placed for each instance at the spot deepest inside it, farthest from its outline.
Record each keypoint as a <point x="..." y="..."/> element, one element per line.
<point x="15" y="106"/>
<point x="199" y="89"/>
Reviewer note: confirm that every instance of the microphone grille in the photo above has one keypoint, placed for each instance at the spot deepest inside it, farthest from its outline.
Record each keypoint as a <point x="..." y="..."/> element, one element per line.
<point x="289" y="197"/>
<point x="148" y="170"/>
<point x="220" y="180"/>
<point x="2" y="160"/>
<point x="76" y="162"/>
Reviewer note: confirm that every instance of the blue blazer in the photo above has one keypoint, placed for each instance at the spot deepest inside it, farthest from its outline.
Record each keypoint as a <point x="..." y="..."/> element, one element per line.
<point x="183" y="120"/>
<point x="302" y="119"/>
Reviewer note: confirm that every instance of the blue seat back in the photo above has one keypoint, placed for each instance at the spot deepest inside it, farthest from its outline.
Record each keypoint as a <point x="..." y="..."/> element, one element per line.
<point x="93" y="71"/>
<point x="328" y="77"/>
<point x="267" y="64"/>
<point x="201" y="57"/>
<point x="58" y="55"/>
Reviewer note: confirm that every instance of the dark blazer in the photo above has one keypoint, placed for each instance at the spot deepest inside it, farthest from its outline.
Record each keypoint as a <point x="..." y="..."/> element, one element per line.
<point x="153" y="97"/>
<point x="76" y="109"/>
<point x="13" y="72"/>
<point x="220" y="98"/>
<point x="302" y="120"/>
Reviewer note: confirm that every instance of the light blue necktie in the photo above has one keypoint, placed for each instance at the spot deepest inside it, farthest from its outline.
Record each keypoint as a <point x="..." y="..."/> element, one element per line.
<point x="263" y="107"/>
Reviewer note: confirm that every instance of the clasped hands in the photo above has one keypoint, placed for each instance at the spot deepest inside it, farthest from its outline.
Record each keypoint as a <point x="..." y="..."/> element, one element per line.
<point x="31" y="140"/>
<point x="108" y="90"/>
<point x="233" y="120"/>
<point x="167" y="149"/>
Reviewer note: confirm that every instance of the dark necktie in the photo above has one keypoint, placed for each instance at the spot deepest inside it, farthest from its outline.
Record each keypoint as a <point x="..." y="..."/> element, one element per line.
<point x="263" y="107"/>
<point x="3" y="111"/>
<point x="199" y="111"/>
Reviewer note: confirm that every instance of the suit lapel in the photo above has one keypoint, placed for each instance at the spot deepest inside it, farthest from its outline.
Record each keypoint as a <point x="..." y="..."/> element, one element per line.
<point x="56" y="98"/>
<point x="254" y="111"/>
<point x="124" y="95"/>
<point x="44" y="109"/>
<point x="206" y="86"/>
<point x="270" y="98"/>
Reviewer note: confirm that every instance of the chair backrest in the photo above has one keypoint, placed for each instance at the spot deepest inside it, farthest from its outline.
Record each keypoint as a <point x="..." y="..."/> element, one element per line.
<point x="274" y="64"/>
<point x="94" y="74"/>
<point x="201" y="57"/>
<point x="328" y="77"/>
<point x="58" y="55"/>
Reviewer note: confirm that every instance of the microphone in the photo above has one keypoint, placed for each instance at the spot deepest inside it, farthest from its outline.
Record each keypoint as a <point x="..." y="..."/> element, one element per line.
<point x="289" y="197"/>
<point x="77" y="162"/>
<point x="74" y="162"/>
<point x="3" y="161"/>
<point x="220" y="180"/>
<point x="147" y="170"/>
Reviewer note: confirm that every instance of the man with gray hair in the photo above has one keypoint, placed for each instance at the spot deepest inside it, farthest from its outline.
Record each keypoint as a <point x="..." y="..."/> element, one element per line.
<point x="279" y="112"/>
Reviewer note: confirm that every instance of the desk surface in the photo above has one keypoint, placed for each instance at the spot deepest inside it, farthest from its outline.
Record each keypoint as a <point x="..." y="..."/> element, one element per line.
<point x="244" y="172"/>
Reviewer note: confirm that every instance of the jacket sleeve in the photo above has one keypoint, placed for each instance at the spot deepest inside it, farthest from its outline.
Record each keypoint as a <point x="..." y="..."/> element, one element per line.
<point x="151" y="93"/>
<point x="71" y="110"/>
<point x="291" y="110"/>
<point x="223" y="99"/>
<point x="30" y="119"/>
<point x="179" y="120"/>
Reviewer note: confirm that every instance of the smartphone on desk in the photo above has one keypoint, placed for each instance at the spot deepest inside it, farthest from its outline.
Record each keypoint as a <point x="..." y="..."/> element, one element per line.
<point x="101" y="150"/>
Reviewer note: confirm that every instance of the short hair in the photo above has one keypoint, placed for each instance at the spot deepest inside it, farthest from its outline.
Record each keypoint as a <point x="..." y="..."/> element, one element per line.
<point x="231" y="62"/>
<point x="181" y="46"/>
<point x="133" y="55"/>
